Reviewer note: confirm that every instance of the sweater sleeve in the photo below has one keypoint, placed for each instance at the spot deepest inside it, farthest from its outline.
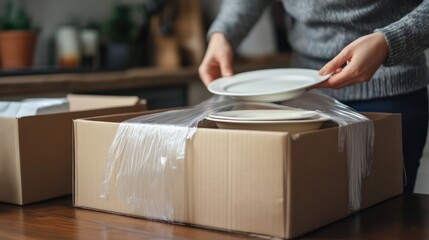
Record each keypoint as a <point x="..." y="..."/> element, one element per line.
<point x="236" y="18"/>
<point x="408" y="36"/>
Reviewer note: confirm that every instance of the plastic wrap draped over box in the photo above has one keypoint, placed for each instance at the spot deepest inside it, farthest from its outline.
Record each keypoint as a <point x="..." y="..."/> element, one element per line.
<point x="150" y="150"/>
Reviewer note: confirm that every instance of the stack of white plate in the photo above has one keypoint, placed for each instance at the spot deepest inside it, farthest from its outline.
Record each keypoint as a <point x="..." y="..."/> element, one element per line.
<point x="286" y="120"/>
<point x="269" y="85"/>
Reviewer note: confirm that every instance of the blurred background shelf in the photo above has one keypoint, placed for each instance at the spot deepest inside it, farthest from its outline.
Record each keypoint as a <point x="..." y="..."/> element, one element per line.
<point x="161" y="87"/>
<point x="146" y="48"/>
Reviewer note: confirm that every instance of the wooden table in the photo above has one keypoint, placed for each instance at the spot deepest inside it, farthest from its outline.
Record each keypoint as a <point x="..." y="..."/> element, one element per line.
<point x="398" y="218"/>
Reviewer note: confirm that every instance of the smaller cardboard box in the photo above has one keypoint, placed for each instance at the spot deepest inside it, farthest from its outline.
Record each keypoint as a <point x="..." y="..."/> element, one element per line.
<point x="36" y="151"/>
<point x="269" y="183"/>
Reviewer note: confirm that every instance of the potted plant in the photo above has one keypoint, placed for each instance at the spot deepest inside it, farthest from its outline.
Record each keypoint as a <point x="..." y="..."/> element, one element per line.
<point x="119" y="31"/>
<point x="17" y="37"/>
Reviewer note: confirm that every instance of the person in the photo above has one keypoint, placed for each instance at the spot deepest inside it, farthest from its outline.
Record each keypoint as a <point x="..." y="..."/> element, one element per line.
<point x="375" y="50"/>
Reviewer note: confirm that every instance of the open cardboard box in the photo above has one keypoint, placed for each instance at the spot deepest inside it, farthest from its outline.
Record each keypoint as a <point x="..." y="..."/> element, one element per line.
<point x="268" y="183"/>
<point x="36" y="151"/>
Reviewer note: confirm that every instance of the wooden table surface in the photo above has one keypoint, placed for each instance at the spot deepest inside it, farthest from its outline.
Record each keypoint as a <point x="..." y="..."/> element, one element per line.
<point x="398" y="218"/>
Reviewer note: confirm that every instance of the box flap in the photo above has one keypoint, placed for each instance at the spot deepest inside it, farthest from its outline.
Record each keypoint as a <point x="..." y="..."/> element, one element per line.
<point x="45" y="151"/>
<point x="117" y="118"/>
<point x="378" y="115"/>
<point x="74" y="150"/>
<point x="10" y="174"/>
<point x="87" y="102"/>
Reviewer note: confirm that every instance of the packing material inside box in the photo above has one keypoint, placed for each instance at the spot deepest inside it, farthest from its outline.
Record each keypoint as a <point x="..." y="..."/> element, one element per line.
<point x="270" y="183"/>
<point x="36" y="143"/>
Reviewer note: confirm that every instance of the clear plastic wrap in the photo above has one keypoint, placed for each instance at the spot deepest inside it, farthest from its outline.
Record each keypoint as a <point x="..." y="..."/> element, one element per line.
<point x="356" y="134"/>
<point x="148" y="152"/>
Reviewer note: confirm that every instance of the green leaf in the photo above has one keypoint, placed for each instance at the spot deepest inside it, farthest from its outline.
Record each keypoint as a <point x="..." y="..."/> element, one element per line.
<point x="120" y="26"/>
<point x="15" y="18"/>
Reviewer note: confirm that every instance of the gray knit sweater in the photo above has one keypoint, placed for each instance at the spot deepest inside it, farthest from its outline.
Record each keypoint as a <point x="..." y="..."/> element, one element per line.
<point x="320" y="29"/>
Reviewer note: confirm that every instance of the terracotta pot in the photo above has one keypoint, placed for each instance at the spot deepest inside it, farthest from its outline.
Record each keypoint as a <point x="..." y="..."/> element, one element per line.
<point x="17" y="49"/>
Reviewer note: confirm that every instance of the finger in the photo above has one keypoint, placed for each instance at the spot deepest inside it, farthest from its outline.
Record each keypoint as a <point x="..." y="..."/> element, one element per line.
<point x="226" y="68"/>
<point x="206" y="75"/>
<point x="342" y="79"/>
<point x="338" y="70"/>
<point x="207" y="79"/>
<point x="325" y="84"/>
<point x="336" y="63"/>
<point x="345" y="84"/>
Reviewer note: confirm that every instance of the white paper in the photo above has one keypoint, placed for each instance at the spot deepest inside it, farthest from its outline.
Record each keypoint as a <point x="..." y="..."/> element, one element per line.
<point x="33" y="106"/>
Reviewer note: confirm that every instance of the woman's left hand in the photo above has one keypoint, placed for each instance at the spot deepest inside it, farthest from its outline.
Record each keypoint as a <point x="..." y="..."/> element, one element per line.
<point x="363" y="57"/>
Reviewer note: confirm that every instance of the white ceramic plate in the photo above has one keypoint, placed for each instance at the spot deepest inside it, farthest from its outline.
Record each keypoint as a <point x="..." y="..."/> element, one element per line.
<point x="265" y="114"/>
<point x="291" y="126"/>
<point x="270" y="85"/>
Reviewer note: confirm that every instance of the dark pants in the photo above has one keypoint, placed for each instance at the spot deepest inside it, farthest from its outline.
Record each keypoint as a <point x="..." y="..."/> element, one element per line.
<point x="414" y="110"/>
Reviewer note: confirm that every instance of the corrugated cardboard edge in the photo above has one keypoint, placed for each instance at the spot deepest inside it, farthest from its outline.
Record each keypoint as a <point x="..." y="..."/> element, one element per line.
<point x="125" y="116"/>
<point x="74" y="169"/>
<point x="81" y="102"/>
<point x="10" y="171"/>
<point x="287" y="188"/>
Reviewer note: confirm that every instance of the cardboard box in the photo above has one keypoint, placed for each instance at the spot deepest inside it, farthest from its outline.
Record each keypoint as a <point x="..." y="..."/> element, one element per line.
<point x="36" y="151"/>
<point x="268" y="183"/>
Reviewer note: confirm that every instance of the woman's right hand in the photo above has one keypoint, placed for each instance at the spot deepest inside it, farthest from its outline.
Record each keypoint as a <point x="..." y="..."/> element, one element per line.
<point x="217" y="61"/>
